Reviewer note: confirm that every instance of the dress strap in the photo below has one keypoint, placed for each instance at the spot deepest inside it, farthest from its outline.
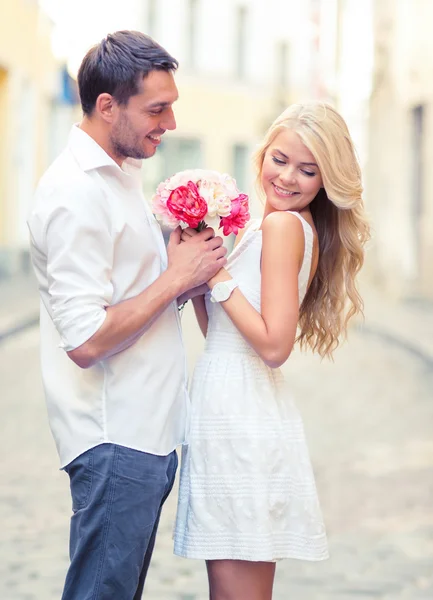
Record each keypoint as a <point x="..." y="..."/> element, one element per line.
<point x="304" y="273"/>
<point x="252" y="225"/>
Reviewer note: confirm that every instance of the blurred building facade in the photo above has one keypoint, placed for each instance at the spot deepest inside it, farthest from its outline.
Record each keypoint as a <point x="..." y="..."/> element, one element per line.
<point x="27" y="82"/>
<point x="399" y="180"/>
<point x="241" y="63"/>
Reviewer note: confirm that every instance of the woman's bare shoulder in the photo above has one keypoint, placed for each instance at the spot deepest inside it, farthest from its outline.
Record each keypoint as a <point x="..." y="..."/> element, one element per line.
<point x="283" y="238"/>
<point x="281" y="222"/>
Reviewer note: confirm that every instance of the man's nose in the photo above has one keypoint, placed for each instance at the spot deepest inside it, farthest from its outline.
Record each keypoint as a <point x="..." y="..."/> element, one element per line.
<point x="169" y="121"/>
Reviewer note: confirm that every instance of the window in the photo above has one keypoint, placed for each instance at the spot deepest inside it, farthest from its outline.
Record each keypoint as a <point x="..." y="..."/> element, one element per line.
<point x="283" y="65"/>
<point x="180" y="154"/>
<point x="417" y="144"/>
<point x="151" y="17"/>
<point x="25" y="156"/>
<point x="241" y="41"/>
<point x="240" y="163"/>
<point x="417" y="177"/>
<point x="68" y="88"/>
<point x="191" y="33"/>
<point x="173" y="155"/>
<point x="4" y="150"/>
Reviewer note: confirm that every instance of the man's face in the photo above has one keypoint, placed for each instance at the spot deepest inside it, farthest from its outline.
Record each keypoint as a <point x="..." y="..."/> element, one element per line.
<point x="137" y="127"/>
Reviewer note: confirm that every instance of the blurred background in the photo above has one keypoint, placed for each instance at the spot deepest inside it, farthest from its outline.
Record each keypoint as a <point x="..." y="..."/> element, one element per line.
<point x="368" y="415"/>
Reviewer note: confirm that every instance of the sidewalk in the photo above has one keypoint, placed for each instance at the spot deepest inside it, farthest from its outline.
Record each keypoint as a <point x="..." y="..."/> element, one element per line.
<point x="19" y="304"/>
<point x="408" y="324"/>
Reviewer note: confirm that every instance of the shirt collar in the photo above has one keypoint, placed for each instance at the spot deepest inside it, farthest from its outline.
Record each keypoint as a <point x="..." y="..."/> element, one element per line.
<point x="90" y="155"/>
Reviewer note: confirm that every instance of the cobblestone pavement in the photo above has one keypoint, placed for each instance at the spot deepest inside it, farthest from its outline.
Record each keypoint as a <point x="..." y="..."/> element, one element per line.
<point x="369" y="421"/>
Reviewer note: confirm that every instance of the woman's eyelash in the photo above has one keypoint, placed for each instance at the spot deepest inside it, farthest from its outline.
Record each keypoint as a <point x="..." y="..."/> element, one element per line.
<point x="278" y="161"/>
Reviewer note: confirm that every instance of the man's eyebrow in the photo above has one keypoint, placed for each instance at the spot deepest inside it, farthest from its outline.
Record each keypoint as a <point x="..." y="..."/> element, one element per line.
<point x="161" y="104"/>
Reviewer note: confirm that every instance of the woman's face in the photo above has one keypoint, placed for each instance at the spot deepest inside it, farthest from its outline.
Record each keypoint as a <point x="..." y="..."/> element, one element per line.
<point x="290" y="176"/>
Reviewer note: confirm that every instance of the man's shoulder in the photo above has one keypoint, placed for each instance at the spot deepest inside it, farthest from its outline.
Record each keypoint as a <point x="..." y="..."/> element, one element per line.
<point x="64" y="183"/>
<point x="63" y="173"/>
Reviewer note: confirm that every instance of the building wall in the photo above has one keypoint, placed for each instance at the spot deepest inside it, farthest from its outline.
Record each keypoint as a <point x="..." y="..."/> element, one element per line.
<point x="27" y="80"/>
<point x="400" y="182"/>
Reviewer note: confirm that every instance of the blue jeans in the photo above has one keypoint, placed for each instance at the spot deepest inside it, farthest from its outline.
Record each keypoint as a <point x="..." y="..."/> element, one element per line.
<point x="117" y="496"/>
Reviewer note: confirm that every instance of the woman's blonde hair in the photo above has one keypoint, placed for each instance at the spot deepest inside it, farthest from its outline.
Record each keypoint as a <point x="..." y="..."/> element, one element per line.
<point x="338" y="214"/>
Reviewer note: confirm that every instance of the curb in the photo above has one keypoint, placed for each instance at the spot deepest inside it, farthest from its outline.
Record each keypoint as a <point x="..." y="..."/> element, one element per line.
<point x="19" y="327"/>
<point x="395" y="340"/>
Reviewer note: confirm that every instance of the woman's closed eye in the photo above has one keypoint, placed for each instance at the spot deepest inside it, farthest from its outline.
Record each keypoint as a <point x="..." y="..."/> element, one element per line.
<point x="279" y="161"/>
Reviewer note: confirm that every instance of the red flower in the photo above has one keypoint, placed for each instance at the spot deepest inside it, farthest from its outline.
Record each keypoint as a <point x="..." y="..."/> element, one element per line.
<point x="186" y="204"/>
<point x="238" y="217"/>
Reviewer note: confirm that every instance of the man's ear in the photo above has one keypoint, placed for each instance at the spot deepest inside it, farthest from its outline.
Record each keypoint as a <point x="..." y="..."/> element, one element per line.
<point x="105" y="105"/>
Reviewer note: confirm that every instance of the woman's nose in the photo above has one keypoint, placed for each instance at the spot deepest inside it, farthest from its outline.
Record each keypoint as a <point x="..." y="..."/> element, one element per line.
<point x="288" y="176"/>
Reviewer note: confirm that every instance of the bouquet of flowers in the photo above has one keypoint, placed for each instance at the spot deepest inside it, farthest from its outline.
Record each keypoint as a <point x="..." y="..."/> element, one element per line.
<point x="198" y="198"/>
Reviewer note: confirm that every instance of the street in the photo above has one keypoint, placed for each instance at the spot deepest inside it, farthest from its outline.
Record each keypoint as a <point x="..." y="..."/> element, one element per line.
<point x="369" y="422"/>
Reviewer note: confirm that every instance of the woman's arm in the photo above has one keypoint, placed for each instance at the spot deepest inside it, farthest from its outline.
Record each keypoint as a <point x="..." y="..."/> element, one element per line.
<point x="201" y="313"/>
<point x="271" y="333"/>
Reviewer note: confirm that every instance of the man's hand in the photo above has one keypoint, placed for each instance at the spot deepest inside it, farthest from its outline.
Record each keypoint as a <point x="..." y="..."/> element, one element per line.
<point x="196" y="260"/>
<point x="188" y="233"/>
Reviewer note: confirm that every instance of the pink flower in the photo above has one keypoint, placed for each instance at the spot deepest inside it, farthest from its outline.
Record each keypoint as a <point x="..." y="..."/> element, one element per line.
<point x="200" y="197"/>
<point x="238" y="216"/>
<point x="186" y="204"/>
<point x="159" y="205"/>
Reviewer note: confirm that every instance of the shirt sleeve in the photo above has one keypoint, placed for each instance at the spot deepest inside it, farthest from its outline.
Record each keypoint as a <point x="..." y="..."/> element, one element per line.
<point x="79" y="249"/>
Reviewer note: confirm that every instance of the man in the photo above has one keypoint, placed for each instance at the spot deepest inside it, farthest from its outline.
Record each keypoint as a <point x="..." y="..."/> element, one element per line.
<point x="113" y="362"/>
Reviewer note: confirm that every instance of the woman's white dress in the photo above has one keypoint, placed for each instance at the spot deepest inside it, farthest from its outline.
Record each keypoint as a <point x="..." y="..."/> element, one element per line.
<point x="247" y="488"/>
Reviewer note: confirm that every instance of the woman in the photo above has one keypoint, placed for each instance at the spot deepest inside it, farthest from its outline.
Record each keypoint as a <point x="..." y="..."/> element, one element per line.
<point x="247" y="493"/>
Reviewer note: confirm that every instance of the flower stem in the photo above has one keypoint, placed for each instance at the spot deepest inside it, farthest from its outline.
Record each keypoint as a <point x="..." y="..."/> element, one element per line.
<point x="201" y="226"/>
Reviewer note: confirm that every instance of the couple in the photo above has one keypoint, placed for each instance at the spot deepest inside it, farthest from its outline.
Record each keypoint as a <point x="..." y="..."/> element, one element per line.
<point x="112" y="355"/>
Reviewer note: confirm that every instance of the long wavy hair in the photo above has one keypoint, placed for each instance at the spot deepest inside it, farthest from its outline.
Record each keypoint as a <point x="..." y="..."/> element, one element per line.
<point x="332" y="298"/>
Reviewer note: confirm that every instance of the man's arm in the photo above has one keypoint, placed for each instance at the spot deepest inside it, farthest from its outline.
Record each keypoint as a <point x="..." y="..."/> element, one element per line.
<point x="126" y="322"/>
<point x="77" y="240"/>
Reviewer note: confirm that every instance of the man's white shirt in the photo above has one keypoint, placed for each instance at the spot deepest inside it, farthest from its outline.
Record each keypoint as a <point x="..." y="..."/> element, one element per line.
<point x="94" y="242"/>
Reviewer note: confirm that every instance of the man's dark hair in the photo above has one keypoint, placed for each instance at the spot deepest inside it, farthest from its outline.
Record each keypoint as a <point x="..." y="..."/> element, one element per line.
<point x="117" y="66"/>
